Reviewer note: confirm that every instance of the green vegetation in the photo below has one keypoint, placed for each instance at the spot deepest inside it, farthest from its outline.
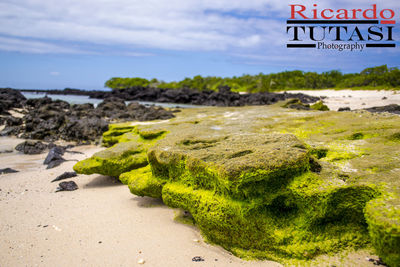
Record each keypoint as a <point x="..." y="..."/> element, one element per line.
<point x="268" y="182"/>
<point x="320" y="106"/>
<point x="380" y="77"/>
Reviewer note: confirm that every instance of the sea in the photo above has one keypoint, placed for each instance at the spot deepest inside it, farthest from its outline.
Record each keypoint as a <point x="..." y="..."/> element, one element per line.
<point x="81" y="99"/>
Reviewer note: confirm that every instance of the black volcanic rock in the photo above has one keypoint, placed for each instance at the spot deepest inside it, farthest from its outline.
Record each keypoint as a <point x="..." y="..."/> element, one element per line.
<point x="55" y="153"/>
<point x="67" y="186"/>
<point x="224" y="97"/>
<point x="7" y="171"/>
<point x="9" y="99"/>
<point x="65" y="175"/>
<point x="31" y="147"/>
<point x="394" y="108"/>
<point x="50" y="120"/>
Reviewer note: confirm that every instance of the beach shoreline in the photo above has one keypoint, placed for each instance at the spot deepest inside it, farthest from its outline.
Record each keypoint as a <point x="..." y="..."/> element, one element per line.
<point x="102" y="223"/>
<point x="354" y="99"/>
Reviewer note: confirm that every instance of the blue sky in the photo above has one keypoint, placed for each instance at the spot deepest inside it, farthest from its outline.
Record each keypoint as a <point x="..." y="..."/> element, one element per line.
<point x="82" y="43"/>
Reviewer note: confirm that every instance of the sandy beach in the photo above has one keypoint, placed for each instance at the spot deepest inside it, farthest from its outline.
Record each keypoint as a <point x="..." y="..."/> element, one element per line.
<point x="103" y="224"/>
<point x="100" y="224"/>
<point x="354" y="99"/>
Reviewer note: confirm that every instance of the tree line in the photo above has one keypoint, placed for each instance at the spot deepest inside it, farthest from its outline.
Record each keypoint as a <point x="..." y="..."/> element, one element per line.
<point x="381" y="77"/>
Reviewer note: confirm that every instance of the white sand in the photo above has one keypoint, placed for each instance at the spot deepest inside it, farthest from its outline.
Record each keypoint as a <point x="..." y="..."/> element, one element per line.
<point x="100" y="224"/>
<point x="359" y="99"/>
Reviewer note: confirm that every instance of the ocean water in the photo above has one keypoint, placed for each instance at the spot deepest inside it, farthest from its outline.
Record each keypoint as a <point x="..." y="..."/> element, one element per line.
<point x="78" y="99"/>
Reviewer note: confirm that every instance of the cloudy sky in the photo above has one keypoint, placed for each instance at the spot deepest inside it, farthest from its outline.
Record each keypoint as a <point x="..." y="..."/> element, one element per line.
<point x="82" y="43"/>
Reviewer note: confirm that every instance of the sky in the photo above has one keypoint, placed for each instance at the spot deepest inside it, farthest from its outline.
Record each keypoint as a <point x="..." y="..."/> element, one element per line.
<point x="82" y="43"/>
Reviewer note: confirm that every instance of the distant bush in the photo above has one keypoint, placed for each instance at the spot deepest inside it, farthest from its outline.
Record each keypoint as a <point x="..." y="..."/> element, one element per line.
<point x="120" y="83"/>
<point x="370" y="78"/>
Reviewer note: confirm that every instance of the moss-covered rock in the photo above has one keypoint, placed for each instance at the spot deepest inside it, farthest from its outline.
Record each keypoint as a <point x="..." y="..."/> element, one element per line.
<point x="320" y="106"/>
<point x="383" y="217"/>
<point x="296" y="103"/>
<point x="267" y="182"/>
<point x="120" y="158"/>
<point x="115" y="132"/>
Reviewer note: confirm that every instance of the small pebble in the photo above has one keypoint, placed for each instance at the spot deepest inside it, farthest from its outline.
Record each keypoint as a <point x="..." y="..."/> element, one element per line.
<point x="196" y="240"/>
<point x="197" y="259"/>
<point x="141" y="261"/>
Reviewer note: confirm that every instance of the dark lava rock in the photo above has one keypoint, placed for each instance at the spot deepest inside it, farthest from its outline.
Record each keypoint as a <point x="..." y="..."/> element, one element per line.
<point x="9" y="99"/>
<point x="143" y="113"/>
<point x="83" y="129"/>
<point x="224" y="97"/>
<point x="50" y="120"/>
<point x="31" y="147"/>
<point x="54" y="158"/>
<point x="378" y="262"/>
<point x="296" y="104"/>
<point x="45" y="102"/>
<point x="67" y="186"/>
<point x="13" y="121"/>
<point x="55" y="163"/>
<point x="394" y="108"/>
<point x="7" y="170"/>
<point x="111" y="107"/>
<point x="344" y="109"/>
<point x="197" y="259"/>
<point x="10" y="130"/>
<point x="55" y="154"/>
<point x="65" y="175"/>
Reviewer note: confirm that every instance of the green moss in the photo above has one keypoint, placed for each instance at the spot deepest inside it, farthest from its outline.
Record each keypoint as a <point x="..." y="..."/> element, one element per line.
<point x="129" y="153"/>
<point x="114" y="133"/>
<point x="151" y="134"/>
<point x="273" y="160"/>
<point x="113" y="161"/>
<point x="252" y="191"/>
<point x="319" y="153"/>
<point x="257" y="208"/>
<point x="383" y="217"/>
<point x="296" y="104"/>
<point x="320" y="106"/>
<point x="142" y="183"/>
<point x="395" y="137"/>
<point x="356" y="136"/>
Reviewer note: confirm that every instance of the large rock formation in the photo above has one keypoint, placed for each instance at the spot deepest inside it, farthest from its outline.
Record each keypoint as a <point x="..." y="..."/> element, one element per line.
<point x="50" y="120"/>
<point x="267" y="182"/>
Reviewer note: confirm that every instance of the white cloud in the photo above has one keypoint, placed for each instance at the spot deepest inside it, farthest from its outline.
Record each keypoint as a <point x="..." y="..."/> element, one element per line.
<point x="37" y="47"/>
<point x="201" y="25"/>
<point x="54" y="73"/>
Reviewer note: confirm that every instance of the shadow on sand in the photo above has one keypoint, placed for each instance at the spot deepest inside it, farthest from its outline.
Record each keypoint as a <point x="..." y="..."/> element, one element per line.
<point x="148" y="202"/>
<point x="103" y="181"/>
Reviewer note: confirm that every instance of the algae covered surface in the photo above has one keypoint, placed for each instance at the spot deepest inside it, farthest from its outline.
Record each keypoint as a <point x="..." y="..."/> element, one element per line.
<point x="266" y="182"/>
